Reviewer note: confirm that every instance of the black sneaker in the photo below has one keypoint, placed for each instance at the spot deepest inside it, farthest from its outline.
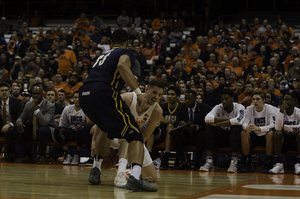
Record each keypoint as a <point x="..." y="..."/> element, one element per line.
<point x="247" y="168"/>
<point x="140" y="185"/>
<point x="11" y="158"/>
<point x="95" y="176"/>
<point x="165" y="162"/>
<point x="268" y="165"/>
<point x="90" y="162"/>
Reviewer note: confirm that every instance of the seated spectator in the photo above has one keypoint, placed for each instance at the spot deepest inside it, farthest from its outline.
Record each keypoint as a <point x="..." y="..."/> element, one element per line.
<point x="149" y="51"/>
<point x="67" y="61"/>
<point x="81" y="22"/>
<point x="72" y="86"/>
<point x="106" y="31"/>
<point x="224" y="118"/>
<point x="31" y="70"/>
<point x="61" y="95"/>
<point x="294" y="72"/>
<point x="11" y="109"/>
<point x="194" y="134"/>
<point x="123" y="19"/>
<point x="189" y="47"/>
<point x="256" y="58"/>
<point x="259" y="120"/>
<point x="25" y="96"/>
<point x="159" y="22"/>
<point x="176" y="37"/>
<point x="235" y="67"/>
<point x="39" y="126"/>
<point x="51" y="67"/>
<point x="104" y="45"/>
<point x="237" y="34"/>
<point x="246" y="97"/>
<point x="73" y="127"/>
<point x="270" y="99"/>
<point x="97" y="21"/>
<point x="210" y="96"/>
<point x="16" y="92"/>
<point x="16" y="68"/>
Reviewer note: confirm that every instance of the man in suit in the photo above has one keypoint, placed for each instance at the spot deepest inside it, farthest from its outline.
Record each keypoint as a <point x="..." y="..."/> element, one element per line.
<point x="38" y="116"/>
<point x="11" y="109"/>
<point x="194" y="112"/>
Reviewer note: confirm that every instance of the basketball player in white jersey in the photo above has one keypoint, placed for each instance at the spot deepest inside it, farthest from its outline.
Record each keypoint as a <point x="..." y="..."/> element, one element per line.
<point x="145" y="109"/>
<point x="287" y="134"/>
<point x="258" y="130"/>
<point x="224" y="127"/>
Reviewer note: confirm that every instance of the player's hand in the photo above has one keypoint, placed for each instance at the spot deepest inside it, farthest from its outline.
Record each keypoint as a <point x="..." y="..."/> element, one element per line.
<point x="5" y="128"/>
<point x="283" y="107"/>
<point x="249" y="128"/>
<point x="182" y="123"/>
<point x="192" y="127"/>
<point x="20" y="127"/>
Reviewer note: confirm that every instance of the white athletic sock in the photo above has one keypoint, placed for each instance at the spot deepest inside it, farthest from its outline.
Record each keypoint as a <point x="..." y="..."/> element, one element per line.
<point x="136" y="171"/>
<point x="97" y="163"/>
<point x="122" y="165"/>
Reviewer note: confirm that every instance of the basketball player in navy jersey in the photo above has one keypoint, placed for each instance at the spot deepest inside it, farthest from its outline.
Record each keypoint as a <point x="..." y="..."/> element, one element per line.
<point x="101" y="101"/>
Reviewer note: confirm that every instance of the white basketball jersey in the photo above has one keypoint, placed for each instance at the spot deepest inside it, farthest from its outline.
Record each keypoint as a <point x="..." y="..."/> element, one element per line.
<point x="141" y="118"/>
<point x="290" y="123"/>
<point x="71" y="118"/>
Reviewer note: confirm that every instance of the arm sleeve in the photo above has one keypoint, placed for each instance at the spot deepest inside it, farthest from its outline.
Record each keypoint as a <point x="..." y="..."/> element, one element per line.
<point x="239" y="120"/>
<point x="73" y="57"/>
<point x="272" y="119"/>
<point x="45" y="119"/>
<point x="63" y="122"/>
<point x="210" y="117"/>
<point x="247" y="119"/>
<point x="279" y="121"/>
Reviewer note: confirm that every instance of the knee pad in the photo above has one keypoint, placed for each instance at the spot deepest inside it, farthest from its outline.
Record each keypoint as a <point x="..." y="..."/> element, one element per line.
<point x="132" y="135"/>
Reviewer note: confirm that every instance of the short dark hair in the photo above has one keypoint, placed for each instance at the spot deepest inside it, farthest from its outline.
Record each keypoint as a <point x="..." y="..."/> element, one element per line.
<point x="194" y="94"/>
<point x="62" y="91"/>
<point x="119" y="36"/>
<point x="273" y="99"/>
<point x="175" y="89"/>
<point x="227" y="92"/>
<point x="292" y="95"/>
<point x="51" y="90"/>
<point x="157" y="83"/>
<point x="76" y="92"/>
<point x="37" y="85"/>
<point x="248" y="82"/>
<point x="260" y="93"/>
<point x="3" y="84"/>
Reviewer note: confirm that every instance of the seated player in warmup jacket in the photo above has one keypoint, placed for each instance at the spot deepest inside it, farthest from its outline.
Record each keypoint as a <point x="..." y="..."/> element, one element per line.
<point x="258" y="130"/>
<point x="147" y="113"/>
<point x="287" y="134"/>
<point x="224" y="127"/>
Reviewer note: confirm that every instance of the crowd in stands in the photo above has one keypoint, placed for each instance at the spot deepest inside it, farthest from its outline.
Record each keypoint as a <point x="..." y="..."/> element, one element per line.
<point x="242" y="62"/>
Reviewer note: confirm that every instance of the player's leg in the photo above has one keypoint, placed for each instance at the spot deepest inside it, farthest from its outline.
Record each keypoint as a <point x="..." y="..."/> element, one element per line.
<point x="235" y="140"/>
<point x="246" y="157"/>
<point x="120" y="178"/>
<point x="297" y="162"/>
<point x="269" y="151"/>
<point x="277" y="145"/>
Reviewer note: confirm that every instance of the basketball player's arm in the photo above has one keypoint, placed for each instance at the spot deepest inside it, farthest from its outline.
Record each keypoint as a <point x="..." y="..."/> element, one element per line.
<point x="88" y="120"/>
<point x="124" y="67"/>
<point x="212" y="117"/>
<point x="152" y="123"/>
<point x="127" y="98"/>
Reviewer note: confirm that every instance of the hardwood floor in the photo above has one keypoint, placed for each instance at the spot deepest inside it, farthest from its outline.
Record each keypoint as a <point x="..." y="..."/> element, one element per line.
<point x="57" y="181"/>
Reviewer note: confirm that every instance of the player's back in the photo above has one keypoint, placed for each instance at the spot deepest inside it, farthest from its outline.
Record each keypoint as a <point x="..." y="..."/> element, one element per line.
<point x="105" y="69"/>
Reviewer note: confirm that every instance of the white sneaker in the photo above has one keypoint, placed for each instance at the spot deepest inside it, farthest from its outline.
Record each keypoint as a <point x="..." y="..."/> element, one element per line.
<point x="157" y="163"/>
<point x="209" y="166"/>
<point x="67" y="160"/>
<point x="233" y="166"/>
<point x="278" y="168"/>
<point x="120" y="180"/>
<point x="297" y="169"/>
<point x="75" y="160"/>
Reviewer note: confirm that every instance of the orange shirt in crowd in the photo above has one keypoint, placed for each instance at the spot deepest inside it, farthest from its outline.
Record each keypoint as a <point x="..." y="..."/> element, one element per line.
<point x="70" y="90"/>
<point x="65" y="62"/>
<point x="156" y="25"/>
<point x="81" y="22"/>
<point x="248" y="33"/>
<point x="237" y="35"/>
<point x="212" y="40"/>
<point x="243" y="96"/>
<point x="289" y="59"/>
<point x="188" y="51"/>
<point x="59" y="86"/>
<point x="257" y="60"/>
<point x="36" y="38"/>
<point x="229" y="54"/>
<point x="85" y="41"/>
<point x="238" y="70"/>
<point x="168" y="70"/>
<point x="149" y="53"/>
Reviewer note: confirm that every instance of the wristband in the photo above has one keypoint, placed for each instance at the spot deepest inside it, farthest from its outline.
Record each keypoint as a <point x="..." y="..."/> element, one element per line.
<point x="138" y="91"/>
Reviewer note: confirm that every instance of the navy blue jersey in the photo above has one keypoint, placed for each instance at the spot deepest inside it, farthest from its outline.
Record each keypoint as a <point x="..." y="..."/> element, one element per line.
<point x="169" y="114"/>
<point x="105" y="68"/>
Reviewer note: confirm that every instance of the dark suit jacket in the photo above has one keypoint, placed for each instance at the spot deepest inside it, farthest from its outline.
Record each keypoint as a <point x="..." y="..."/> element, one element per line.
<point x="200" y="112"/>
<point x="15" y="110"/>
<point x="44" y="118"/>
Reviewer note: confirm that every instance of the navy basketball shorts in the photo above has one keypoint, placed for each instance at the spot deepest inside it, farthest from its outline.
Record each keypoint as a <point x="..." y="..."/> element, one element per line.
<point x="105" y="107"/>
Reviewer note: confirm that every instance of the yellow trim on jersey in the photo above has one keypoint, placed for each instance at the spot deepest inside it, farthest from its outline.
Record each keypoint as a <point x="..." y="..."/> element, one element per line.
<point x="171" y="112"/>
<point x="116" y="105"/>
<point x="117" y="81"/>
<point x="114" y="78"/>
<point x="129" y="119"/>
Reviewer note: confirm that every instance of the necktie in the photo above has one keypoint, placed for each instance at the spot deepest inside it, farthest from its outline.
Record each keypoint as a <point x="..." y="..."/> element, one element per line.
<point x="4" y="113"/>
<point x="34" y="126"/>
<point x="191" y="116"/>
